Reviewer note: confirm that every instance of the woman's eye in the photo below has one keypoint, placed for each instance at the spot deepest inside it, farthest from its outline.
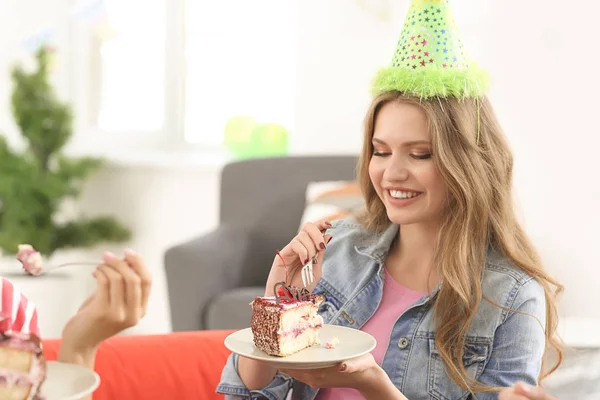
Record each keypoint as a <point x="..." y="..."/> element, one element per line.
<point x="421" y="156"/>
<point x="380" y="154"/>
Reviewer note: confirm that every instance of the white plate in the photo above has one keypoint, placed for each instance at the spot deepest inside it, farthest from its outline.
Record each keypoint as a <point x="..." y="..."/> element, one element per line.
<point x="68" y="381"/>
<point x="352" y="343"/>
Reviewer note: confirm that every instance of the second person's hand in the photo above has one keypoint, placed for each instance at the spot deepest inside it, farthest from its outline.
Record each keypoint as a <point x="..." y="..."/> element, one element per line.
<point x="522" y="391"/>
<point x="119" y="302"/>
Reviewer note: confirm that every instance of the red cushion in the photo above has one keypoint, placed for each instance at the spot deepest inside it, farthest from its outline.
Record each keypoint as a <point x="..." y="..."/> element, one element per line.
<point x="183" y="365"/>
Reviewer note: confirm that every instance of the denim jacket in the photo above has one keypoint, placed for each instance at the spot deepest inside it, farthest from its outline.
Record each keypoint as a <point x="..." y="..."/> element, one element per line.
<point x="502" y="347"/>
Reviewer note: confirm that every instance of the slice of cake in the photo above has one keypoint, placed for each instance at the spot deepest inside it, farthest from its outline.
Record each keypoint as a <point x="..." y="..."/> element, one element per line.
<point x="22" y="366"/>
<point x="285" y="324"/>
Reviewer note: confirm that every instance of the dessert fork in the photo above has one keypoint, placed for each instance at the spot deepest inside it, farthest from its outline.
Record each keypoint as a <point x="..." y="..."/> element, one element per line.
<point x="47" y="268"/>
<point x="307" y="273"/>
<point x="69" y="264"/>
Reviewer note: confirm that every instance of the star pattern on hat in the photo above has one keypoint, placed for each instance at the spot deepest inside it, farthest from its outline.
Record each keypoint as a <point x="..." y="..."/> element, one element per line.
<point x="430" y="59"/>
<point x="430" y="34"/>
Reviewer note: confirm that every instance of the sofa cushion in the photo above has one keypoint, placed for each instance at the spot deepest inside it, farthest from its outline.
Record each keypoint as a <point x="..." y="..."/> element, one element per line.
<point x="331" y="200"/>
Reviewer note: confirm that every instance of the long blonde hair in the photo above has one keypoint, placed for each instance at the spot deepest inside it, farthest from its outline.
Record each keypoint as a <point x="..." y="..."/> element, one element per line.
<point x="473" y="156"/>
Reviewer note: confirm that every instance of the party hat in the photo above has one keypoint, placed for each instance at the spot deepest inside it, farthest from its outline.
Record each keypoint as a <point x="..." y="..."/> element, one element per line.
<point x="430" y="60"/>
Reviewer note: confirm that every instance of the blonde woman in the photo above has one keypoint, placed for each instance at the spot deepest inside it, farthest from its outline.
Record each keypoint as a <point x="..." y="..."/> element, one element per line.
<point x="437" y="267"/>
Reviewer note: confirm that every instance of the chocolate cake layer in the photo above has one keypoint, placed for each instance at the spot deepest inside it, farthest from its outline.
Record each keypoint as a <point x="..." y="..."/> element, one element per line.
<point x="265" y="323"/>
<point x="271" y="321"/>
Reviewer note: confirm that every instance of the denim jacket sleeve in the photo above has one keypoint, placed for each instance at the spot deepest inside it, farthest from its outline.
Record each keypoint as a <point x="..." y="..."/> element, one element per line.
<point x="233" y="388"/>
<point x="519" y="342"/>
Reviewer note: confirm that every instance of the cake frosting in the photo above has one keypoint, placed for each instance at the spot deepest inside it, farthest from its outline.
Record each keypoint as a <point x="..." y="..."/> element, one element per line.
<point x="287" y="323"/>
<point x="22" y="366"/>
<point x="31" y="259"/>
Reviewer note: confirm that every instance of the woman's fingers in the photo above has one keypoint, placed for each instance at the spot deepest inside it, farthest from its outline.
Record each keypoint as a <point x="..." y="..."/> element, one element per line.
<point x="323" y="224"/>
<point x="133" y="301"/>
<point x="138" y="265"/>
<point x="300" y="250"/>
<point x="316" y="236"/>
<point x="102" y="295"/>
<point x="131" y="281"/>
<point x="117" y="292"/>
<point x="308" y="244"/>
<point x="532" y="392"/>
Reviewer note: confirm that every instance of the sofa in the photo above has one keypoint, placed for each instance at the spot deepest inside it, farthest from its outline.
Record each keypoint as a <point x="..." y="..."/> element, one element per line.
<point x="212" y="278"/>
<point x="182" y="365"/>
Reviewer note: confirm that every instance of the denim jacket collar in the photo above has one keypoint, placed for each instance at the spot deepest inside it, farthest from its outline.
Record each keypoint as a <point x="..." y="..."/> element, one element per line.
<point x="377" y="246"/>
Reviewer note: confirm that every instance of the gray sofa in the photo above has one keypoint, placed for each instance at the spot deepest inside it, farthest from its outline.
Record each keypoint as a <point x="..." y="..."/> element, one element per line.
<point x="211" y="279"/>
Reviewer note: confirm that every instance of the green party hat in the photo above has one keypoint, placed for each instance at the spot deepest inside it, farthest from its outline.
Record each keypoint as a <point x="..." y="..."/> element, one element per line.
<point x="430" y="60"/>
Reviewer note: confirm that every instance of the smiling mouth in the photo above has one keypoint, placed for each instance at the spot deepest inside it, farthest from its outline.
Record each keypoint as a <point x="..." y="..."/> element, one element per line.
<point x="401" y="194"/>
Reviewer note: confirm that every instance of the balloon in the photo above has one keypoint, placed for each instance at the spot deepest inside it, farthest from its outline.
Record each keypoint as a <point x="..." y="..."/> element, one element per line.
<point x="269" y="140"/>
<point x="238" y="134"/>
<point x="245" y="138"/>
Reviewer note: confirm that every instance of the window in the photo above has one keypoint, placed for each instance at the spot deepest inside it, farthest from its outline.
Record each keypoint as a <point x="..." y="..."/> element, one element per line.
<point x="132" y="95"/>
<point x="123" y="54"/>
<point x="239" y="60"/>
<point x="175" y="71"/>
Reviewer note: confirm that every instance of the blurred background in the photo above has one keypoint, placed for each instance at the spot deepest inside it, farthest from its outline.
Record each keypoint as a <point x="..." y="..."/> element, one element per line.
<point x="165" y="94"/>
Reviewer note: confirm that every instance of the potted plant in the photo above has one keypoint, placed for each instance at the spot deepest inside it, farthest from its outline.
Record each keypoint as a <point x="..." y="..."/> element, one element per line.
<point x="36" y="181"/>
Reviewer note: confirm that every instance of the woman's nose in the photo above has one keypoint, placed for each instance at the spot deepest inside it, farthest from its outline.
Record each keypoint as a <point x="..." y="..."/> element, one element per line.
<point x="396" y="171"/>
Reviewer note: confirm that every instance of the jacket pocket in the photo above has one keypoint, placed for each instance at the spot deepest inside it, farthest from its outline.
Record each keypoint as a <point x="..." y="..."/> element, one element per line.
<point x="439" y="383"/>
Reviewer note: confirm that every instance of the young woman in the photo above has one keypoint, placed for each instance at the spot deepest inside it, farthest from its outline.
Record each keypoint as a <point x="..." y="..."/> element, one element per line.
<point x="437" y="267"/>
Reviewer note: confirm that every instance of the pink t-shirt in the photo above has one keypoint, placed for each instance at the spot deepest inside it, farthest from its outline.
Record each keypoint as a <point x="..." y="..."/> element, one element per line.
<point x="396" y="299"/>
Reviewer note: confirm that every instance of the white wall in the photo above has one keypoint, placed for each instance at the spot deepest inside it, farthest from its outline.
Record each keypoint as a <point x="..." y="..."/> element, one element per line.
<point x="339" y="48"/>
<point x="163" y="205"/>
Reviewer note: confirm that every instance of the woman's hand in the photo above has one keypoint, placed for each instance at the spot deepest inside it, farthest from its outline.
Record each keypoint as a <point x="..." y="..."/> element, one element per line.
<point x="361" y="373"/>
<point x="309" y="243"/>
<point x="521" y="391"/>
<point x="119" y="302"/>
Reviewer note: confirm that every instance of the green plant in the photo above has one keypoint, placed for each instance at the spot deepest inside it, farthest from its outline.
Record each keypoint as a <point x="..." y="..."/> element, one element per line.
<point x="35" y="182"/>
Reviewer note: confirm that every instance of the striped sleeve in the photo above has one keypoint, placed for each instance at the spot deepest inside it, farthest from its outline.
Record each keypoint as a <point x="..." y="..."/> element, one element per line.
<point x="17" y="312"/>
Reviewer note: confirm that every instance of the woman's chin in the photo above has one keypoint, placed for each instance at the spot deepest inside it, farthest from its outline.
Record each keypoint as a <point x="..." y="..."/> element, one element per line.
<point x="401" y="218"/>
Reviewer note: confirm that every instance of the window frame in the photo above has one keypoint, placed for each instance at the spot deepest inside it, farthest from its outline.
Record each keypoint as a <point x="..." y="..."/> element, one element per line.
<point x="85" y="73"/>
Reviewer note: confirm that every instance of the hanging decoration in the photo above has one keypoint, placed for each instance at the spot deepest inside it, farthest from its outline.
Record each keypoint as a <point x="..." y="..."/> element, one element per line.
<point x="91" y="12"/>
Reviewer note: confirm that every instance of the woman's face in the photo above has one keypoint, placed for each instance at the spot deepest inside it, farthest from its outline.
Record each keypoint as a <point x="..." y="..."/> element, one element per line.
<point x="402" y="168"/>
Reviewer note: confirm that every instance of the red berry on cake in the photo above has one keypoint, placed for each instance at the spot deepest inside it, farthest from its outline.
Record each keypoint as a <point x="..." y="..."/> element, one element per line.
<point x="284" y="292"/>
